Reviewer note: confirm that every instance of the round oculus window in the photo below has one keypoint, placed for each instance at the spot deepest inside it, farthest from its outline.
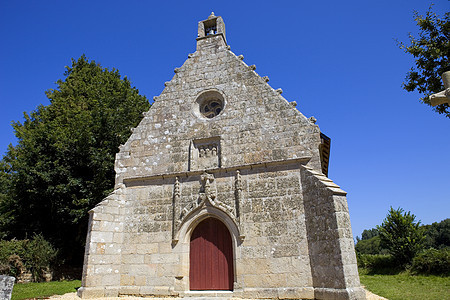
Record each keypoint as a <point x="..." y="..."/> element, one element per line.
<point x="209" y="104"/>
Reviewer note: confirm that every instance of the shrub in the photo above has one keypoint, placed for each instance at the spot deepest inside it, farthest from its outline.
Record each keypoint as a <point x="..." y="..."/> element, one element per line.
<point x="378" y="263"/>
<point x="15" y="265"/>
<point x="12" y="247"/>
<point x="40" y="256"/>
<point x="33" y="256"/>
<point x="370" y="261"/>
<point x="432" y="261"/>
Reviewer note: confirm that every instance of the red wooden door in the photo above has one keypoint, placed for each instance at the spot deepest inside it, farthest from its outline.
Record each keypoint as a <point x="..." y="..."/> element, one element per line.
<point x="211" y="257"/>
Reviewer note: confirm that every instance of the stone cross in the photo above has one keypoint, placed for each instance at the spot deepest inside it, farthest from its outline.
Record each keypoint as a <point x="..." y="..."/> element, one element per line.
<point x="443" y="96"/>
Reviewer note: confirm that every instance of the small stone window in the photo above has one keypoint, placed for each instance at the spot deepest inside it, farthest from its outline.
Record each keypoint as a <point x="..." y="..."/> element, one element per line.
<point x="209" y="104"/>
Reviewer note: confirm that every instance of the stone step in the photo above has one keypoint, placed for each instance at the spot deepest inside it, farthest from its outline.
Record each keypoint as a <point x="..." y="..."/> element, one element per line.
<point x="217" y="295"/>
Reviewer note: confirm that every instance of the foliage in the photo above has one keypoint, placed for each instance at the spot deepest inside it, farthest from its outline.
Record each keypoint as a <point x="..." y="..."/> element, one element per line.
<point x="404" y="286"/>
<point x="401" y="235"/>
<point x="370" y="246"/>
<point x="43" y="289"/>
<point x="437" y="235"/>
<point x="63" y="163"/>
<point x="377" y="263"/>
<point x="6" y="216"/>
<point x="369" y="233"/>
<point x="431" y="51"/>
<point x="371" y="254"/>
<point x="34" y="256"/>
<point x="432" y="261"/>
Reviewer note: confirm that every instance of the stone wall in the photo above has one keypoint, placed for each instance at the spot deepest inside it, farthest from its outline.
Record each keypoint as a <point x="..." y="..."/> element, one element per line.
<point x="257" y="124"/>
<point x="274" y="255"/>
<point x="268" y="230"/>
<point x="290" y="229"/>
<point x="104" y="243"/>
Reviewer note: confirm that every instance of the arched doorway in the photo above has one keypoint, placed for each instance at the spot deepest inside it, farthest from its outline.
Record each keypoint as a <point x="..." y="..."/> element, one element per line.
<point x="211" y="257"/>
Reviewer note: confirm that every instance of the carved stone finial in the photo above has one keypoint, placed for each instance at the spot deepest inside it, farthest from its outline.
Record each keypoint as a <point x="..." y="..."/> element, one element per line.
<point x="238" y="193"/>
<point x="237" y="181"/>
<point x="266" y="78"/>
<point x="279" y="91"/>
<point x="211" y="15"/>
<point x="176" y="188"/>
<point x="175" y="203"/>
<point x="252" y="67"/>
<point x="312" y="120"/>
<point x="293" y="103"/>
<point x="166" y="83"/>
<point x="241" y="57"/>
<point x="176" y="70"/>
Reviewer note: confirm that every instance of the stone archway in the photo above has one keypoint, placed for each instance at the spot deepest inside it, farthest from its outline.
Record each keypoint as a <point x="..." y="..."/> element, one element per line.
<point x="211" y="256"/>
<point x="183" y="238"/>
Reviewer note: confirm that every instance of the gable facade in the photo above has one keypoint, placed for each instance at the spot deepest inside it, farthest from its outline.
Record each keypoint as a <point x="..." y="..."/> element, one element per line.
<point x="220" y="191"/>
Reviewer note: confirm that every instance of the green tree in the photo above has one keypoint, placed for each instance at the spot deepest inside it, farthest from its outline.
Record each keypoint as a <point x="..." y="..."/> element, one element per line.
<point x="437" y="235"/>
<point x="370" y="246"/>
<point x="369" y="233"/>
<point x="401" y="235"/>
<point x="370" y="243"/>
<point x="431" y="50"/>
<point x="63" y="163"/>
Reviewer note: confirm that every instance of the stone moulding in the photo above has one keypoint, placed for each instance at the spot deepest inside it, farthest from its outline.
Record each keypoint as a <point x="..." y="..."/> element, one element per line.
<point x="141" y="181"/>
<point x="326" y="181"/>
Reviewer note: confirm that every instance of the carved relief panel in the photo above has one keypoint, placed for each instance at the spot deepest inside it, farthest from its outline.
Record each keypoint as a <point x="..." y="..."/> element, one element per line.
<point x="207" y="196"/>
<point x="204" y="154"/>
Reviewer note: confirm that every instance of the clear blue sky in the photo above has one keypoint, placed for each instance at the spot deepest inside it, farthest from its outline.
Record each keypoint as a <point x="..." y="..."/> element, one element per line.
<point x="337" y="59"/>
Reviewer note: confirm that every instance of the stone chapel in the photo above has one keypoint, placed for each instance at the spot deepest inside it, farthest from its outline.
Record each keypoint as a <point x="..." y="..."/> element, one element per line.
<point x="222" y="191"/>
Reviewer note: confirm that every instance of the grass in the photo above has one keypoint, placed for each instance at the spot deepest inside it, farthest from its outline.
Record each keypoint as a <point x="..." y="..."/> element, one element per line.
<point x="404" y="286"/>
<point x="400" y="286"/>
<point x="43" y="289"/>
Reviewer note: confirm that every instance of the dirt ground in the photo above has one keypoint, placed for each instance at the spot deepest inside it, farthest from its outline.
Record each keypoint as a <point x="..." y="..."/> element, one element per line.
<point x="73" y="296"/>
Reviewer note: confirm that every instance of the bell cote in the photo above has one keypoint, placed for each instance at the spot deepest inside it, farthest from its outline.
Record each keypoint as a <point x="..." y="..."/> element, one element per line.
<point x="211" y="32"/>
